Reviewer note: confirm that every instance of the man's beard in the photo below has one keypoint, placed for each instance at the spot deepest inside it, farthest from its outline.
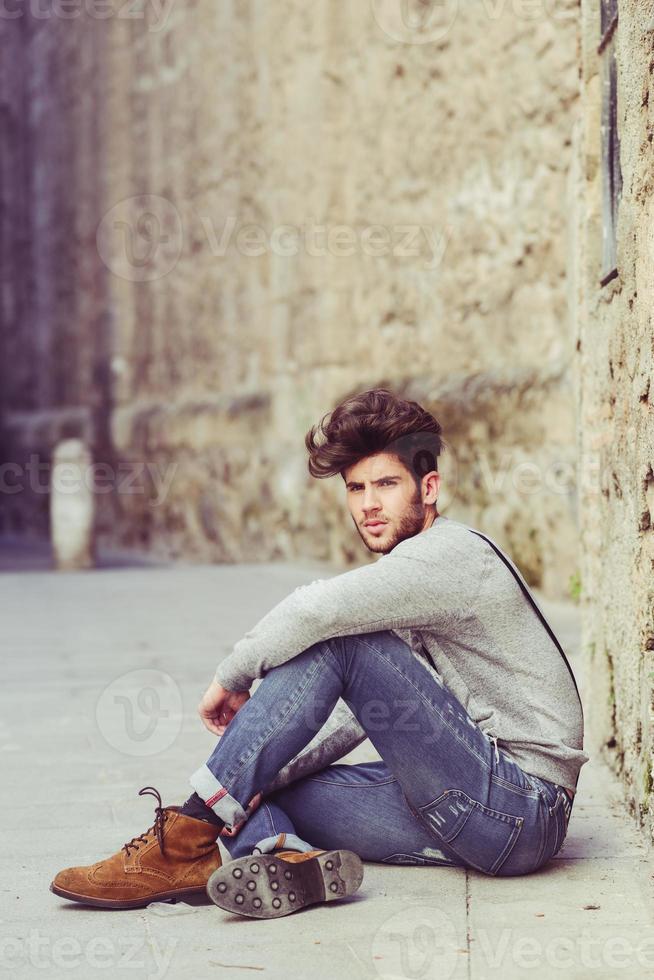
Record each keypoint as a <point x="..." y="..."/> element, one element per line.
<point x="410" y="524"/>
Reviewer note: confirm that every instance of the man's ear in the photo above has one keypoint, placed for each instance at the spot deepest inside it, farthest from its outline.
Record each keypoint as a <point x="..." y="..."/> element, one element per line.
<point x="431" y="484"/>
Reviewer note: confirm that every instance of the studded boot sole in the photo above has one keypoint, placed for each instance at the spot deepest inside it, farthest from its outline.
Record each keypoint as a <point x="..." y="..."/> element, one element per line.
<point x="265" y="886"/>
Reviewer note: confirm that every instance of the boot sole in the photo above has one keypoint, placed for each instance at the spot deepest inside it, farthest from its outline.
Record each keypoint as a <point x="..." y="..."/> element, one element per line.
<point x="134" y="903"/>
<point x="265" y="887"/>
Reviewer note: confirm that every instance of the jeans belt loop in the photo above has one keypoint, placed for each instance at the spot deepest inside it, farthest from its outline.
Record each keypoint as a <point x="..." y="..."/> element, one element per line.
<point x="493" y="739"/>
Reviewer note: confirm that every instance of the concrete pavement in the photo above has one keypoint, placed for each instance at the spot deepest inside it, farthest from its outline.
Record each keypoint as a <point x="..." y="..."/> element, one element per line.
<point x="76" y="745"/>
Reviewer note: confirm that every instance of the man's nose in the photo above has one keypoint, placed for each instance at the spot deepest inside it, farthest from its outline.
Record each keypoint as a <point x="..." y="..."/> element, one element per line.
<point x="370" y="499"/>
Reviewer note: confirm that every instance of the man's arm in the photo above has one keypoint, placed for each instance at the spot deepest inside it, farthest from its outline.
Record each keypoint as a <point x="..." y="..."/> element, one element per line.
<point x="405" y="588"/>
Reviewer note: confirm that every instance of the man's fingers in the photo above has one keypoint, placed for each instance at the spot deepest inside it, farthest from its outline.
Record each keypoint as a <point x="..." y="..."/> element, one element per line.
<point x="216" y="710"/>
<point x="212" y="726"/>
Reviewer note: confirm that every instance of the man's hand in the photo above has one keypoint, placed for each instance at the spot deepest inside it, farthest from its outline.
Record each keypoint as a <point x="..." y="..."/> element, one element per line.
<point x="218" y="706"/>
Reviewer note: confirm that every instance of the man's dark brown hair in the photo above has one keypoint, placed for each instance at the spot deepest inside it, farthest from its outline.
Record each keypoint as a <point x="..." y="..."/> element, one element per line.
<point x="374" y="421"/>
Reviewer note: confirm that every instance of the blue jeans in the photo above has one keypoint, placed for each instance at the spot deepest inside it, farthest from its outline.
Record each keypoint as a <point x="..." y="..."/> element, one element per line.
<point x="443" y="794"/>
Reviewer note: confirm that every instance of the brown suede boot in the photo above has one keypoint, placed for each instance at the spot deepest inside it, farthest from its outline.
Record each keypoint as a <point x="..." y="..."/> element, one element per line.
<point x="171" y="860"/>
<point x="266" y="886"/>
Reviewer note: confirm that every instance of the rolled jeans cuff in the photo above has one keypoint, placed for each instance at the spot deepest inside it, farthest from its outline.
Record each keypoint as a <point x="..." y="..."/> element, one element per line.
<point x="282" y="842"/>
<point x="217" y="798"/>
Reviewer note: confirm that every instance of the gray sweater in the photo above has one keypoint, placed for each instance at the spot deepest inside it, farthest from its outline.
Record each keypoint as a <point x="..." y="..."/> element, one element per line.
<point x="459" y="601"/>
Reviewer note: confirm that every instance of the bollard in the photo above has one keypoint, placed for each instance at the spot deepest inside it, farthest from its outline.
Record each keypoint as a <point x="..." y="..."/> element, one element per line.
<point x="71" y="506"/>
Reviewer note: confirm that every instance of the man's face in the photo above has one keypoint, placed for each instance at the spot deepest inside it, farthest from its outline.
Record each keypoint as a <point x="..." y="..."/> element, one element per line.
<point x="385" y="504"/>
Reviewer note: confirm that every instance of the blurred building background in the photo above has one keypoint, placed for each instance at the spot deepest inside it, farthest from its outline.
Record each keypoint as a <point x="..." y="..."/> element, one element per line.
<point x="218" y="218"/>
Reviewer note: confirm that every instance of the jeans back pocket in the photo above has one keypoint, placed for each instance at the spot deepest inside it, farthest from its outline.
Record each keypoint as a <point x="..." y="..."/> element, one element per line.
<point x="482" y="837"/>
<point x="559" y="815"/>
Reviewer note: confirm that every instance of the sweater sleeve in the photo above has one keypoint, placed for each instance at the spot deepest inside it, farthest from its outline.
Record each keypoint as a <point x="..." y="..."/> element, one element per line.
<point x="398" y="590"/>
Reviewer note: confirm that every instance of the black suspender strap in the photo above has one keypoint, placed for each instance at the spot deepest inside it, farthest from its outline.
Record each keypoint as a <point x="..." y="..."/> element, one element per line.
<point x="539" y="613"/>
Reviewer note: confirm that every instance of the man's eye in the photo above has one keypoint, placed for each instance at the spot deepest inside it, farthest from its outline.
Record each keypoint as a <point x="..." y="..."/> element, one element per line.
<point x="382" y="483"/>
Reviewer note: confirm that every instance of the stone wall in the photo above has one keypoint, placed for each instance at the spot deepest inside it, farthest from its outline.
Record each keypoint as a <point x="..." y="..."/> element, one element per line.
<point x="615" y="359"/>
<point x="237" y="213"/>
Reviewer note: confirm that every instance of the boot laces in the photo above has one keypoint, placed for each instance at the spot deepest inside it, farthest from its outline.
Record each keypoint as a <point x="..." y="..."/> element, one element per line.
<point x="157" y="826"/>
